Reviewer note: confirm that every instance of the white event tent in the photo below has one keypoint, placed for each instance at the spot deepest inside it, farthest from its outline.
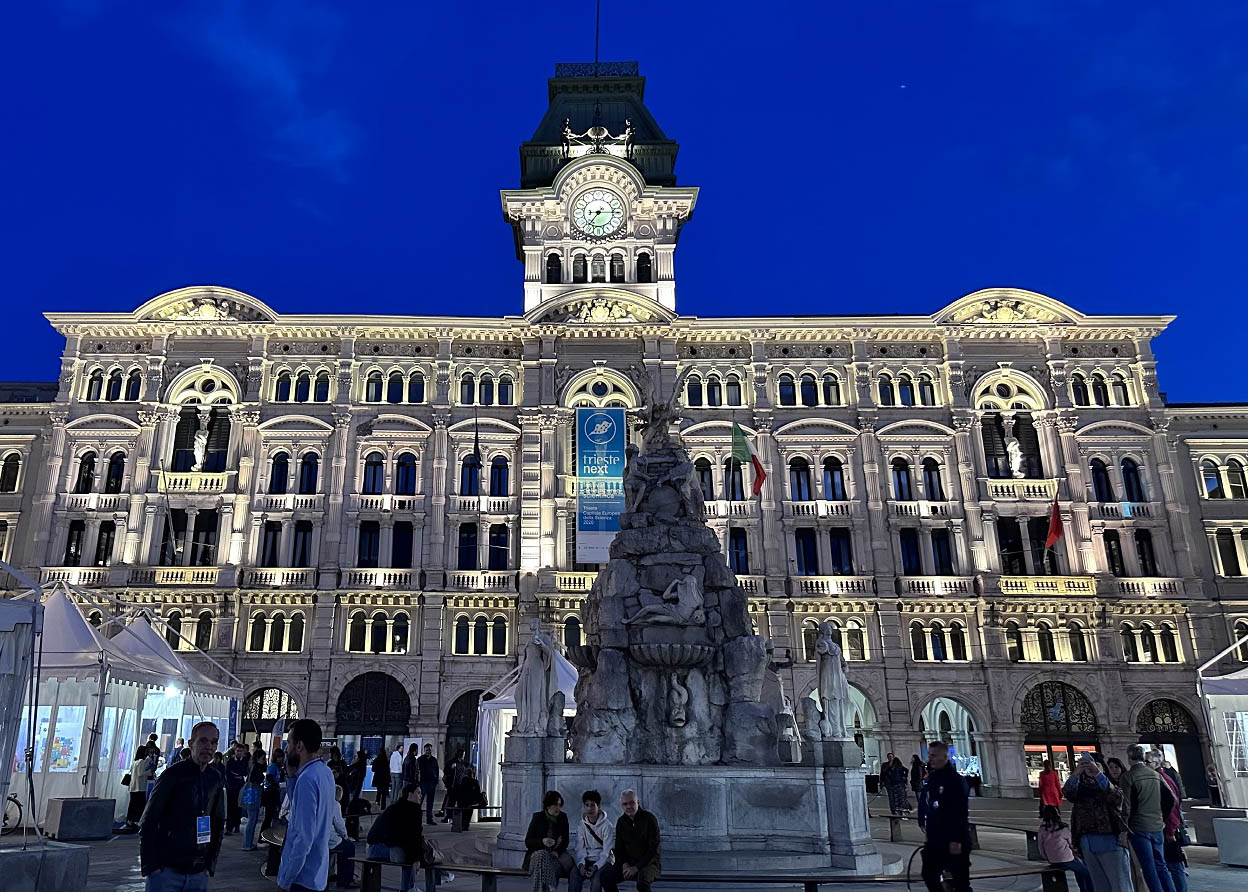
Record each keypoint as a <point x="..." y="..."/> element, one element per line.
<point x="496" y="716"/>
<point x="1227" y="699"/>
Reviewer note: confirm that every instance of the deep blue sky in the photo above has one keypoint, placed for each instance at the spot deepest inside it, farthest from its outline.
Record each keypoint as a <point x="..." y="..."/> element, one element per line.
<point x="865" y="157"/>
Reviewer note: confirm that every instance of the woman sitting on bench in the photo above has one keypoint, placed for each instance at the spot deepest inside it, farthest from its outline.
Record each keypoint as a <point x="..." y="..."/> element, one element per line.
<point x="546" y="843"/>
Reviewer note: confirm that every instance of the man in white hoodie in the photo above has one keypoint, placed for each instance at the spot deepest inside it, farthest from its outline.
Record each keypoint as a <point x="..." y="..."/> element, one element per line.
<point x="595" y="837"/>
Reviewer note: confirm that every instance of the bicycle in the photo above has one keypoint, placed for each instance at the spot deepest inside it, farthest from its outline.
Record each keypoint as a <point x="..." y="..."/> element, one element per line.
<point x="12" y="815"/>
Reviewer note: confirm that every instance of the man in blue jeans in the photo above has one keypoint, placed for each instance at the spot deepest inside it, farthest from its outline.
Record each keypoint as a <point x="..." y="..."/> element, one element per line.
<point x="396" y="834"/>
<point x="1148" y="800"/>
<point x="427" y="768"/>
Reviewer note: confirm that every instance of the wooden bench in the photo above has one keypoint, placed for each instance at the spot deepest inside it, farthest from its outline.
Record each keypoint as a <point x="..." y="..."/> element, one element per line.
<point x="370" y="880"/>
<point x="462" y="814"/>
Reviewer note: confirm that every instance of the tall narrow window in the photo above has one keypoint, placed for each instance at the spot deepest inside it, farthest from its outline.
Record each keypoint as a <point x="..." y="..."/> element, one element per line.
<point x="104" y="543"/>
<point x="645" y="274"/>
<point x="301" y="554"/>
<point x="374" y="474"/>
<point x="554" y="269"/>
<point x="470" y="475"/>
<point x="1079" y="390"/>
<point x="942" y="553"/>
<point x="485" y="391"/>
<point x="8" y="472"/>
<point x="806" y="550"/>
<point x="113" y="393"/>
<point x="372" y="388"/>
<point x="1235" y="479"/>
<point x="271" y="544"/>
<point x="905" y="390"/>
<point x="706" y="482"/>
<point x="1148" y="644"/>
<point x="85" y="480"/>
<point x="1212" y="479"/>
<point x="402" y="537"/>
<point x="902" y="489"/>
<point x="172" y="538"/>
<point x="399" y="634"/>
<point x="294" y="634"/>
<point x="303" y="387"/>
<point x="1227" y="554"/>
<point x="467" y="547"/>
<point x="309" y="467"/>
<point x="95" y="385"/>
<point x="499" y="477"/>
<point x="940" y="650"/>
<point x="321" y="392"/>
<point x="855" y="642"/>
<point x="1144" y="551"/>
<point x="1100" y="394"/>
<point x="370" y="544"/>
<point x="787" y="391"/>
<point x="992" y="431"/>
<point x="579" y="274"/>
<point x="1045" y="643"/>
<point x="734" y="485"/>
<point x="738" y="551"/>
<point x="1169" y="645"/>
<point x="357" y="635"/>
<point x="1043" y="559"/>
<point x="204" y="540"/>
<point x="598" y="268"/>
<point x="1132" y="485"/>
<point x="833" y="480"/>
<point x="885" y="388"/>
<point x="810" y="393"/>
<point x="116" y="473"/>
<point x="281" y="392"/>
<point x="714" y="391"/>
<point x="173" y="629"/>
<point x="693" y="392"/>
<point x="378" y="633"/>
<point x="134" y="386"/>
<point x="218" y="445"/>
<point x="498" y="546"/>
<point x="911" y="560"/>
<point x="732" y="390"/>
<point x="394" y="388"/>
<point x="405" y="475"/>
<point x="927" y="393"/>
<point x="831" y="390"/>
<point x="4" y="540"/>
<point x="481" y="636"/>
<point x="203" y="631"/>
<point x="1029" y="443"/>
<point x="842" y="549"/>
<point x="931" y="480"/>
<point x="1078" y="645"/>
<point x="1241" y="633"/>
<point x="416" y="387"/>
<point x="1013" y="642"/>
<point x="1113" y="553"/>
<point x="799" y="480"/>
<point x="1102" y="488"/>
<point x="1121" y="396"/>
<point x="1010" y="541"/>
<point x="498" y="636"/>
<point x="279" y="474"/>
<point x="957" y="641"/>
<point x="461" y="635"/>
<point x="617" y="267"/>
<point x="918" y="641"/>
<point x="259" y="631"/>
<point x="506" y="390"/>
<point x="572" y="632"/>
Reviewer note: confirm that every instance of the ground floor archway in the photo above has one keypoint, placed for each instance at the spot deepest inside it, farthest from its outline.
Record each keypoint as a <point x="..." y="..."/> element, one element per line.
<point x="948" y="720"/>
<point x="863" y="725"/>
<point x="373" y="705"/>
<point x="1058" y="724"/>
<point x="461" y="726"/>
<point x="1166" y="725"/>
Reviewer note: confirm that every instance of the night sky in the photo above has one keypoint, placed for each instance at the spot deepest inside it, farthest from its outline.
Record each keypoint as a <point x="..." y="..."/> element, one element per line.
<point x="867" y="157"/>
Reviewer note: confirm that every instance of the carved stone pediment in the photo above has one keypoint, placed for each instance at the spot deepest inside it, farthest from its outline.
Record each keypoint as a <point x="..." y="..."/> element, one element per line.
<point x="1001" y="310"/>
<point x="206" y="309"/>
<point x="600" y="311"/>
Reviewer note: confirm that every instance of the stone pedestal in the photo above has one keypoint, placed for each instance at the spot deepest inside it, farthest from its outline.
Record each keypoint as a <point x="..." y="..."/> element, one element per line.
<point x="51" y="867"/>
<point x="84" y="818"/>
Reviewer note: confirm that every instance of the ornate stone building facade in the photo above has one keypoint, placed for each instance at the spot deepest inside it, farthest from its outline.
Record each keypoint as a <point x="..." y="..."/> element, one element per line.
<point x="355" y="513"/>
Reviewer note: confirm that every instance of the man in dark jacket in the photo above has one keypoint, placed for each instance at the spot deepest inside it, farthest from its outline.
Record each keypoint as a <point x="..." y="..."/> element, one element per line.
<point x="427" y="777"/>
<point x="396" y="836"/>
<point x="236" y="768"/>
<point x="637" y="855"/>
<point x="184" y="821"/>
<point x="945" y="820"/>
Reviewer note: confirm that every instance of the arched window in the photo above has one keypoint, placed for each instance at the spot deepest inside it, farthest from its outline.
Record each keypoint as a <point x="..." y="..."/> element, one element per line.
<point x="1241" y="632"/>
<point x="279" y="473"/>
<point x="399" y="634"/>
<point x="294" y="634"/>
<point x="321" y="393"/>
<point x="116" y="472"/>
<point x="554" y="269"/>
<point x="485" y="392"/>
<point x="918" y="641"/>
<point x="617" y="267"/>
<point x="467" y="390"/>
<point x="470" y="475"/>
<point x="405" y="475"/>
<point x="1132" y="485"/>
<point x="1079" y="390"/>
<point x="903" y="491"/>
<point x="500" y="483"/>
<point x="855" y="642"/>
<point x="732" y="390"/>
<point x="1013" y="642"/>
<point x="1169" y="645"/>
<point x="1100" y="394"/>
<point x="831" y="390"/>
<point x="957" y="641"/>
<point x="572" y="631"/>
<point x="940" y="651"/>
<point x="1122" y="396"/>
<point x="1045" y="643"/>
<point x="113" y="393"/>
<point x="85" y="481"/>
<point x="416" y="387"/>
<point x="467" y="547"/>
<point x="394" y="388"/>
<point x="833" y="480"/>
<point x="259" y="629"/>
<point x="9" y="470"/>
<point x="281" y="391"/>
<point x="885" y="389"/>
<point x="480" y="636"/>
<point x="309" y="465"/>
<point x="277" y="633"/>
<point x="506" y="390"/>
<point x="372" y="388"/>
<point x="1130" y="652"/>
<point x="1227" y="554"/>
<point x="203" y="631"/>
<point x="927" y="393"/>
<point x="1078" y="644"/>
<point x="788" y="391"/>
<point x="1148" y="644"/>
<point x="693" y="392"/>
<point x="810" y="640"/>
<point x="931" y="480"/>
<point x="462" y="635"/>
<point x="1102" y="488"/>
<point x="498" y="637"/>
<point x="706" y="482"/>
<point x="579" y="269"/>
<point x="905" y="390"/>
<point x="810" y="393"/>
<point x="1213" y="480"/>
<point x="644" y="273"/>
<point x="378" y="633"/>
<point x="1236" y="485"/>
<point x="498" y="544"/>
<point x="1145" y="553"/>
<point x="357" y="639"/>
<point x="799" y="480"/>
<point x="303" y="387"/>
<point x="374" y="474"/>
<point x="95" y="385"/>
<point x="134" y="386"/>
<point x="734" y="486"/>
<point x="714" y="391"/>
<point x="173" y="630"/>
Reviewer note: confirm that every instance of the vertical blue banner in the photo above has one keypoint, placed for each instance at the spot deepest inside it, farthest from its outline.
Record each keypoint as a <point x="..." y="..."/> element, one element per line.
<point x="599" y="482"/>
<point x="233" y="735"/>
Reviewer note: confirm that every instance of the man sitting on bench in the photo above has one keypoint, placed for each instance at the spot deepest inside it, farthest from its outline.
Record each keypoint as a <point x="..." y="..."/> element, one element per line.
<point x="396" y="834"/>
<point x="636" y="847"/>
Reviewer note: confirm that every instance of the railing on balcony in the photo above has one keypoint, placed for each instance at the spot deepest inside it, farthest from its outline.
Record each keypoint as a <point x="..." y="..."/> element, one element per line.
<point x="192" y="482"/>
<point x="920" y="508"/>
<point x="279" y="577"/>
<point x="937" y="585"/>
<point x="289" y="502"/>
<point x="831" y="585"/>
<point x="751" y="585"/>
<point x="379" y="577"/>
<point x="485" y="504"/>
<point x="1022" y="490"/>
<point x="1048" y="585"/>
<point x="726" y="508"/>
<point x="481" y="580"/>
<point x="92" y="501"/>
<point x="75" y="575"/>
<point x="174" y="575"/>
<point x="574" y="581"/>
<point x="817" y="508"/>
<point x="1122" y="509"/>
<point x="385" y="502"/>
<point x="1151" y="587"/>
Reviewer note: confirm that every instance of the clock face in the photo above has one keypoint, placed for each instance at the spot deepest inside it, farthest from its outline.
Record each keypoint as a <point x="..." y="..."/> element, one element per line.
<point x="598" y="212"/>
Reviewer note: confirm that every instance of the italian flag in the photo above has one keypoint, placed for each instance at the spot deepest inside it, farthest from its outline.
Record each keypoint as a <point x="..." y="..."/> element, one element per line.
<point x="743" y="452"/>
<point x="1055" y="526"/>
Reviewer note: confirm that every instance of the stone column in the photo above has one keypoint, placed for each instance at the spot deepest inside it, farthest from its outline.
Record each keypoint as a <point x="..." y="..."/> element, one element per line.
<point x="1011" y="769"/>
<point x="188" y="536"/>
<point x="330" y="553"/>
<point x="438" y="492"/>
<point x="47" y="484"/>
<point x="1168" y="491"/>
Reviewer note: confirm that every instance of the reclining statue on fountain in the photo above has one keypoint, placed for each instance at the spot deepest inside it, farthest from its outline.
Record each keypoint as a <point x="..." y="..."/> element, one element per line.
<point x="679" y="605"/>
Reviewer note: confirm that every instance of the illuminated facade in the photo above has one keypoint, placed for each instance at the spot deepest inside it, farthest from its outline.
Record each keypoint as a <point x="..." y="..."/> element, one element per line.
<point x="298" y="495"/>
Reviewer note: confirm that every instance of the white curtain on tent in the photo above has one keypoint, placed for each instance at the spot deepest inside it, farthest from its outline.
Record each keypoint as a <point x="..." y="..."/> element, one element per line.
<point x="1228" y="715"/>
<point x="17" y="620"/>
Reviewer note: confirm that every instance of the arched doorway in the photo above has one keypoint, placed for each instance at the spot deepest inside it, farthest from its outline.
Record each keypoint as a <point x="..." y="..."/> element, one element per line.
<point x="948" y="720"/>
<point x="1059" y="724"/>
<point x="373" y="710"/>
<point x="861" y="722"/>
<point x="262" y="710"/>
<point x="1168" y="726"/>
<point x="461" y="726"/>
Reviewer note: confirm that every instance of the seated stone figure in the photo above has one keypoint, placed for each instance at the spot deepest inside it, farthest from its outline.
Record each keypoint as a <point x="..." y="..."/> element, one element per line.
<point x="681" y="605"/>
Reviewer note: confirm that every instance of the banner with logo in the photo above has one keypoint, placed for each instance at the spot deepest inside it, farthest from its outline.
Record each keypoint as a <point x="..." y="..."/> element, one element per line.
<point x="599" y="482"/>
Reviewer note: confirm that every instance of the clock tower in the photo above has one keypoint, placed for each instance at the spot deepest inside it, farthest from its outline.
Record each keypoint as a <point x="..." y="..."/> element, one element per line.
<point x="598" y="209"/>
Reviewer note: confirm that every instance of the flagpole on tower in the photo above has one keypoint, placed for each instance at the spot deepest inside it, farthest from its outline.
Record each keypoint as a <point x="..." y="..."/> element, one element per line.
<point x="597" y="22"/>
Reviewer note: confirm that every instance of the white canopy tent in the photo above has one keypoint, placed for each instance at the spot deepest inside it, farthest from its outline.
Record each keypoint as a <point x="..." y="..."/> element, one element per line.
<point x="496" y="716"/>
<point x="1227" y="699"/>
<point x="19" y="624"/>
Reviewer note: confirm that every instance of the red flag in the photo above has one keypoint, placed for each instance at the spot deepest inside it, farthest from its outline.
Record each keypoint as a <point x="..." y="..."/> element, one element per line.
<point x="1055" y="526"/>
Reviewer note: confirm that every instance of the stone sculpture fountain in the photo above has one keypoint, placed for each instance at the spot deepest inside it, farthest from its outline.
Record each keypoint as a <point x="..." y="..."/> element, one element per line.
<point x="678" y="699"/>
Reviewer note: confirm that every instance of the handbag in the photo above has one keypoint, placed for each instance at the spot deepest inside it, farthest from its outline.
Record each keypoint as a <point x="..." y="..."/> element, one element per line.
<point x="125" y="779"/>
<point x="249" y="795"/>
<point x="433" y="855"/>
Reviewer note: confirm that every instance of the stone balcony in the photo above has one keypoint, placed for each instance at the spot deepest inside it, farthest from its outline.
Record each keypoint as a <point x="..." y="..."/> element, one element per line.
<point x="817" y="508"/>
<point x="92" y="501"/>
<point x="88" y="576"/>
<point x="483" y="504"/>
<point x="751" y="585"/>
<point x="831" y="585"/>
<point x="1048" y="585"/>
<point x="936" y="585"/>
<point x="1117" y="510"/>
<point x="731" y="509"/>
<point x="574" y="581"/>
<point x="279" y="577"/>
<point x="481" y="580"/>
<point x="1151" y="587"/>
<point x="385" y="502"/>
<point x="192" y="482"/>
<point x="1021" y="489"/>
<point x="174" y="575"/>
<point x="290" y="502"/>
<point x="379" y="577"/>
<point x="920" y="508"/>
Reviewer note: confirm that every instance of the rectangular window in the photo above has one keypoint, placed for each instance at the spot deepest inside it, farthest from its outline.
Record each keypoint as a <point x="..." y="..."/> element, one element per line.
<point x="1144" y="551"/>
<point x="370" y="544"/>
<point x="1044" y="560"/>
<point x="498" y="542"/>
<point x="738" y="551"/>
<point x="1113" y="553"/>
<point x="271" y="544"/>
<point x="172" y="538"/>
<point x="807" y="551"/>
<point x="942" y="554"/>
<point x="1010" y="542"/>
<point x="104" y="543"/>
<point x="73" y="543"/>
<point x="204" y="540"/>
<point x="992" y="429"/>
<point x="842" y="551"/>
<point x="302" y="554"/>
<point x="911" y="561"/>
<point x="401" y="547"/>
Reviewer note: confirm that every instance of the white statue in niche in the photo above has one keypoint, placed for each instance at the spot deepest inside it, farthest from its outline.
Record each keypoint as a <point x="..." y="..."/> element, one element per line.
<point x="200" y="446"/>
<point x="833" y="685"/>
<point x="1014" y="450"/>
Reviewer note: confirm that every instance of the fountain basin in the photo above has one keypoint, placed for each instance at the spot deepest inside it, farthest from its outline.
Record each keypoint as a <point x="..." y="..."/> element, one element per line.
<point x="671" y="656"/>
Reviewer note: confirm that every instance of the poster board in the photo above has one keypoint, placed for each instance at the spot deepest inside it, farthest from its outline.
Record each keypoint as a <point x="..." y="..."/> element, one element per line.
<point x="600" y="441"/>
